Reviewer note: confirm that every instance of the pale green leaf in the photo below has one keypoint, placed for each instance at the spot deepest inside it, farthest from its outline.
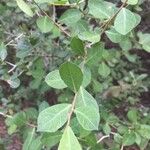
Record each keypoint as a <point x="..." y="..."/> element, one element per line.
<point x="144" y="40"/>
<point x="3" y="52"/>
<point x="85" y="99"/>
<point x="71" y="75"/>
<point x="52" y="118"/>
<point x="125" y="21"/>
<point x="86" y="76"/>
<point x="44" y="24"/>
<point x="88" y="117"/>
<point x="114" y="36"/>
<point x="144" y="131"/>
<point x="101" y="9"/>
<point x="29" y="139"/>
<point x="25" y="7"/>
<point x="132" y="115"/>
<point x="131" y="2"/>
<point x="69" y="141"/>
<point x="89" y="36"/>
<point x="129" y="138"/>
<point x="54" y="80"/>
<point x="70" y="17"/>
<point x="104" y="70"/>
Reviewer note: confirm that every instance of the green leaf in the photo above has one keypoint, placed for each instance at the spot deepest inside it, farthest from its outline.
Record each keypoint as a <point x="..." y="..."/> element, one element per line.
<point x="70" y="17"/>
<point x="85" y="99"/>
<point x="144" y="131"/>
<point x="24" y="7"/>
<point x="36" y="144"/>
<point x="89" y="36"/>
<point x="69" y="141"/>
<point x="77" y="46"/>
<point x="54" y="80"/>
<point x="104" y="70"/>
<point x="129" y="138"/>
<point x="144" y="40"/>
<point x="94" y="54"/>
<point x="106" y="129"/>
<point x="44" y="24"/>
<point x="52" y="118"/>
<point x="114" y="36"/>
<point x="86" y="76"/>
<point x="29" y="139"/>
<point x="71" y="75"/>
<point x="125" y="21"/>
<point x="51" y="1"/>
<point x="3" y="52"/>
<point x="132" y="115"/>
<point x="100" y="9"/>
<point x="88" y="117"/>
<point x="131" y="2"/>
<point x="51" y="139"/>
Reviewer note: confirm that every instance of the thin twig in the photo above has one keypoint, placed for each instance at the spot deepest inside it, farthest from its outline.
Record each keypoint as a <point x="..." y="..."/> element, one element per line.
<point x="59" y="26"/>
<point x="14" y="39"/>
<point x="102" y="138"/>
<point x="122" y="147"/>
<point x="72" y="109"/>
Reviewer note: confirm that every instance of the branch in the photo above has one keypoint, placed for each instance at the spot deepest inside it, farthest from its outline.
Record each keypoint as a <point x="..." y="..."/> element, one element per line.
<point x="102" y="138"/>
<point x="51" y="19"/>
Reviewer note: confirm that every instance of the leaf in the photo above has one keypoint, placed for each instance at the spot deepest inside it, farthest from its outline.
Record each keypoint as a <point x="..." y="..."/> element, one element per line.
<point x="25" y="7"/>
<point x="51" y="139"/>
<point x="106" y="129"/>
<point x="100" y="9"/>
<point x="85" y="99"/>
<point x="131" y="2"/>
<point x="44" y="24"/>
<point x="3" y="52"/>
<point x="86" y="76"/>
<point x="89" y="36"/>
<point x="94" y="54"/>
<point x="36" y="144"/>
<point x="144" y="40"/>
<point x="104" y="70"/>
<point x="88" y="117"/>
<point x="144" y="131"/>
<point x="71" y="75"/>
<point x="69" y="141"/>
<point x="13" y="82"/>
<point x="129" y="138"/>
<point x="70" y="17"/>
<point x="114" y="36"/>
<point x="45" y="1"/>
<point x="29" y="139"/>
<point x="77" y="46"/>
<point x="52" y="118"/>
<point x="54" y="80"/>
<point x="125" y="21"/>
<point x="132" y="115"/>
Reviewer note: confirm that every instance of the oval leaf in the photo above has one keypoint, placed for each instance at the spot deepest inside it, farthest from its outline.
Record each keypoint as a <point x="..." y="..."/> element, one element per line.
<point x="54" y="80"/>
<point x="69" y="141"/>
<point x="52" y="118"/>
<point x="88" y="117"/>
<point x="71" y="75"/>
<point x="44" y="24"/>
<point x="24" y="7"/>
<point x="125" y="21"/>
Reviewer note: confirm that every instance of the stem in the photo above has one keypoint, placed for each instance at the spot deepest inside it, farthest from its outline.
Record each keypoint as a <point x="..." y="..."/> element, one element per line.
<point x="112" y="18"/>
<point x="51" y="19"/>
<point x="72" y="110"/>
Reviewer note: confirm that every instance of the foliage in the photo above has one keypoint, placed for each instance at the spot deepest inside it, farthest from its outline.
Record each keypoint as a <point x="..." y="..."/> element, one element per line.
<point x="65" y="74"/>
